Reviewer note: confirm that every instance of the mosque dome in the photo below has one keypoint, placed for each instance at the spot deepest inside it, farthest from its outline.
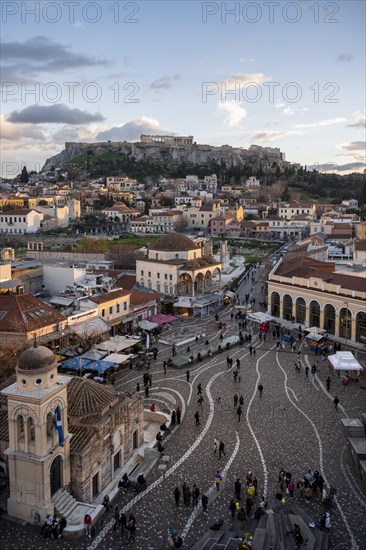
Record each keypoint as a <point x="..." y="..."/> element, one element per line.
<point x="37" y="359"/>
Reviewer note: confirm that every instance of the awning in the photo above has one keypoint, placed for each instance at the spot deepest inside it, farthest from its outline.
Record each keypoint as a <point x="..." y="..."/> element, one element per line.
<point x="162" y="318"/>
<point x="259" y="317"/>
<point x="99" y="366"/>
<point x="93" y="354"/>
<point x="118" y="358"/>
<point x="117" y="343"/>
<point x="314" y="337"/>
<point x="147" y="325"/>
<point x="92" y="327"/>
<point x="314" y="330"/>
<point x="229" y="293"/>
<point x="344" y="360"/>
<point x="183" y="302"/>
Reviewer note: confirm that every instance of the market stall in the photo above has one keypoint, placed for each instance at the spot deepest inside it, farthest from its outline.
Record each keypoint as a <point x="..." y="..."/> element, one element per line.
<point x="346" y="365"/>
<point x="315" y="341"/>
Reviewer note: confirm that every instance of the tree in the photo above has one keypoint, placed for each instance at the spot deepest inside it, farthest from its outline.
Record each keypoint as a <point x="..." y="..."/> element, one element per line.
<point x="24" y="176"/>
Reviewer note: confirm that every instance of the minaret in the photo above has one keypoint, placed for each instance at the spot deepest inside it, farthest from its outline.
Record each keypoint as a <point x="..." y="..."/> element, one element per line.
<point x="39" y="441"/>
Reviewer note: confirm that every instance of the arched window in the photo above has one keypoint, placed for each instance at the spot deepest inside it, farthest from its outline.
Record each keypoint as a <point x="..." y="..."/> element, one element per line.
<point x="30" y="430"/>
<point x="166" y="288"/>
<point x="300" y="310"/>
<point x="287" y="307"/>
<point x="171" y="289"/>
<point x="149" y="285"/>
<point x="314" y="314"/>
<point x="49" y="425"/>
<point x="361" y="327"/>
<point x="142" y="282"/>
<point x="20" y="427"/>
<point x="329" y="319"/>
<point x="275" y="304"/>
<point x="177" y="256"/>
<point x="158" y="287"/>
<point x="345" y="323"/>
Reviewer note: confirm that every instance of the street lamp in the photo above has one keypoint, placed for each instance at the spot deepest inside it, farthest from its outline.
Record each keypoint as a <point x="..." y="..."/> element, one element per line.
<point x="163" y="466"/>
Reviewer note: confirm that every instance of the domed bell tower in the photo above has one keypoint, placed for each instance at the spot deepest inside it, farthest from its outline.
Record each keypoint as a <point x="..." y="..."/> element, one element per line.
<point x="39" y="441"/>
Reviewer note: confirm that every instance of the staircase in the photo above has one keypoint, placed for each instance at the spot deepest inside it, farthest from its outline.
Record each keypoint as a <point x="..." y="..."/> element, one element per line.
<point x="68" y="507"/>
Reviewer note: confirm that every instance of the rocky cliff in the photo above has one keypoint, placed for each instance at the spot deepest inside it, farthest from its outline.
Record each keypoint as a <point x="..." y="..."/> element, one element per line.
<point x="86" y="154"/>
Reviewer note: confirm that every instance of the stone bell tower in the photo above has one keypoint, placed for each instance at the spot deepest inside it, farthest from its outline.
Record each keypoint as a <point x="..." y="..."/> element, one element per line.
<point x="39" y="442"/>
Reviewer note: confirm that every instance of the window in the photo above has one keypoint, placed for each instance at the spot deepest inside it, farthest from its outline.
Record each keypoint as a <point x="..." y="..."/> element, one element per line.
<point x="103" y="312"/>
<point x="110" y="310"/>
<point x="156" y="256"/>
<point x="142" y="273"/>
<point x="149" y="274"/>
<point x="170" y="277"/>
<point x="166" y="277"/>
<point x="124" y="306"/>
<point x="24" y="220"/>
<point x="117" y="308"/>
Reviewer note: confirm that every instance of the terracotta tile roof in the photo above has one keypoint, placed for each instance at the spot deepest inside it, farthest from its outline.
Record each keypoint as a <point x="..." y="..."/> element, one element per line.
<point x="108" y="296"/>
<point x="127" y="282"/>
<point x="174" y="241"/>
<point x="17" y="212"/>
<point x="81" y="439"/>
<point x="138" y="298"/>
<point x="88" y="398"/>
<point x="361" y="245"/>
<point x="24" y="313"/>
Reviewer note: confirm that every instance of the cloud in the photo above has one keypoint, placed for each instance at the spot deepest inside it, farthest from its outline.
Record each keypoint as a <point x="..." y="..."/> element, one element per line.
<point x="233" y="113"/>
<point x="53" y="114"/>
<point x="289" y="111"/>
<point x="271" y="136"/>
<point x="131" y="131"/>
<point x="17" y="133"/>
<point x="352" y="166"/>
<point x="328" y="122"/>
<point x="359" y="122"/>
<point x="246" y="59"/>
<point x="353" y="146"/>
<point x="243" y="79"/>
<point x="164" y="83"/>
<point x="41" y="55"/>
<point x="345" y="57"/>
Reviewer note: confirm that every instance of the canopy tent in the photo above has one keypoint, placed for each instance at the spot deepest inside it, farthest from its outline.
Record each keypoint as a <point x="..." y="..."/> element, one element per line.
<point x="147" y="325"/>
<point x="183" y="302"/>
<point x="118" y="358"/>
<point x="76" y="363"/>
<point x="93" y="354"/>
<point x="314" y="330"/>
<point x="314" y="336"/>
<point x="117" y="343"/>
<point x="99" y="366"/>
<point x="92" y="327"/>
<point x="162" y="318"/>
<point x="259" y="317"/>
<point x="344" y="360"/>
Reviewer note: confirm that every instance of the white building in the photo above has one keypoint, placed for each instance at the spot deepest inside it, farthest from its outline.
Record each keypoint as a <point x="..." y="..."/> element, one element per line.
<point x="252" y="182"/>
<point x="20" y="221"/>
<point x="56" y="278"/>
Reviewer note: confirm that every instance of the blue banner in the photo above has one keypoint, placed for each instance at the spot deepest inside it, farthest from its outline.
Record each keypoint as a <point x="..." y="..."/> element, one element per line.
<point x="58" y="425"/>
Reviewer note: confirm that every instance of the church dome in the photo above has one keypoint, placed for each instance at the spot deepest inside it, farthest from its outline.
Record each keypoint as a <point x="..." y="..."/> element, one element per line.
<point x="174" y="242"/>
<point x="86" y="397"/>
<point x="37" y="358"/>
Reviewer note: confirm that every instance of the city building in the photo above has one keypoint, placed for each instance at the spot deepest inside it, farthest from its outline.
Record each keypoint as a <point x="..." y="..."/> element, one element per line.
<point x="313" y="294"/>
<point x="177" y="266"/>
<point x="20" y="221"/>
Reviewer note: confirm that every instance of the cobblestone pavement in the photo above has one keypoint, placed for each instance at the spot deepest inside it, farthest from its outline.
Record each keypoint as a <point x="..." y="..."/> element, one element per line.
<point x="294" y="426"/>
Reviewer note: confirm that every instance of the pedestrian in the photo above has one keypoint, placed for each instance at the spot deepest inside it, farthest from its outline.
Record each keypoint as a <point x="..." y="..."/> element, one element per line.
<point x="228" y="362"/>
<point x="216" y="445"/>
<point x="115" y="518"/>
<point x="219" y="404"/>
<point x="187" y="375"/>
<point x="239" y="412"/>
<point x="249" y="505"/>
<point x="232" y="508"/>
<point x="336" y="401"/>
<point x="176" y="494"/>
<point x="146" y="391"/>
<point x="307" y="371"/>
<point x="238" y="364"/>
<point x="123" y="522"/>
<point x="138" y="387"/>
<point x="131" y="527"/>
<point x="197" y="418"/>
<point x="328" y="381"/>
<point x="88" y="525"/>
<point x="237" y="489"/>
<point x="221" y="449"/>
<point x="150" y="380"/>
<point x="204" y="501"/>
<point x="195" y="495"/>
<point x="186" y="495"/>
<point x="199" y="389"/>
<point x="328" y="523"/>
<point x="178" y="413"/>
<point x="291" y="488"/>
<point x="260" y="389"/>
<point x="173" y="417"/>
<point x="235" y="401"/>
<point x="241" y="400"/>
<point x="164" y="367"/>
<point x="218" y="479"/>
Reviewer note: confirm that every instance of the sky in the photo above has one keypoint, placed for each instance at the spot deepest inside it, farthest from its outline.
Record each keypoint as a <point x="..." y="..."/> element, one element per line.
<point x="278" y="74"/>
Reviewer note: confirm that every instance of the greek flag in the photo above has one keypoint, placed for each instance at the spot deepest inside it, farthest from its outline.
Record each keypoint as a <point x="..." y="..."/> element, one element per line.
<point x="58" y="425"/>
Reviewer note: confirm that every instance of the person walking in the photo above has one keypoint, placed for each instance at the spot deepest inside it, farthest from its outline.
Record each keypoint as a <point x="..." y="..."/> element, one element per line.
<point x="195" y="495"/>
<point x="239" y="412"/>
<point x="204" y="501"/>
<point x="146" y="391"/>
<point x="88" y="525"/>
<point x="260" y="389"/>
<point x="328" y="522"/>
<point x="115" y="518"/>
<point x="218" y="479"/>
<point x="232" y="508"/>
<point x="186" y="495"/>
<point x="241" y="400"/>
<point x="123" y="522"/>
<point x="176" y="494"/>
<point x="237" y="489"/>
<point x="216" y="445"/>
<point x="219" y="404"/>
<point x="328" y="381"/>
<point x="199" y="389"/>
<point x="197" y="418"/>
<point x="164" y="367"/>
<point x="188" y="375"/>
<point x="235" y="401"/>
<point x="307" y="371"/>
<point x="178" y="414"/>
<point x="336" y="401"/>
<point x="221" y="449"/>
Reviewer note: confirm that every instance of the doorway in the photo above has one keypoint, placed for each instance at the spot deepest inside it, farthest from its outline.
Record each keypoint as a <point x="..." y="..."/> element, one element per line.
<point x="55" y="475"/>
<point x="95" y="485"/>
